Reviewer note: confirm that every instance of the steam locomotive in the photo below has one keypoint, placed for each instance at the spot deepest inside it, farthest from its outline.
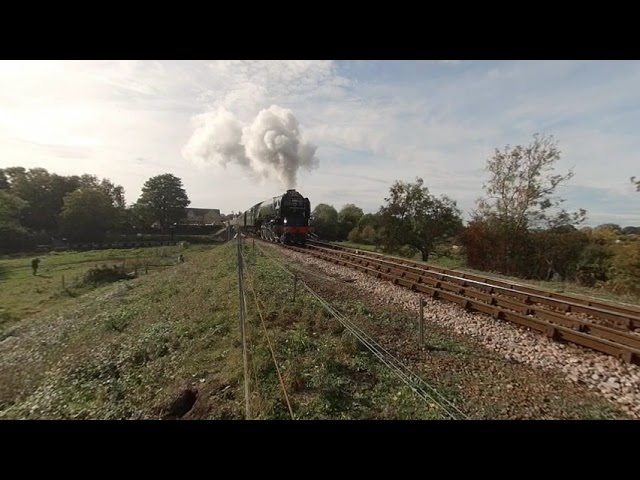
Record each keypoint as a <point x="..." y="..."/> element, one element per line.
<point x="279" y="219"/>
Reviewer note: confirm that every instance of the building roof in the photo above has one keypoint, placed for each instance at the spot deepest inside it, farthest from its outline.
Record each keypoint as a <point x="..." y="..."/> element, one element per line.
<point x="203" y="216"/>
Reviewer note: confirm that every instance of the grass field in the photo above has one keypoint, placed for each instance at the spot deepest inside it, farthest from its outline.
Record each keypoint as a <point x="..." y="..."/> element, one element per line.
<point x="60" y="277"/>
<point x="128" y="352"/>
<point x="167" y="345"/>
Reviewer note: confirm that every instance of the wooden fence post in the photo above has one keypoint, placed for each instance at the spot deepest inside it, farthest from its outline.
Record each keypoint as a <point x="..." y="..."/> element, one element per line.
<point x="421" y="324"/>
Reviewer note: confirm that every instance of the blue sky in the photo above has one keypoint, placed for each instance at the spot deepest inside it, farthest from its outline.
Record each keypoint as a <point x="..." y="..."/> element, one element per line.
<point x="372" y="122"/>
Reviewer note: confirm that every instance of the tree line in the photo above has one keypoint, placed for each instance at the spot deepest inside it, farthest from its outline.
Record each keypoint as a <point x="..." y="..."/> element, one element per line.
<point x="518" y="227"/>
<point x="38" y="207"/>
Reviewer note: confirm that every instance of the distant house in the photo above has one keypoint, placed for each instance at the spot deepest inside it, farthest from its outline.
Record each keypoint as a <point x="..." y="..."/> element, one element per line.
<point x="203" y="216"/>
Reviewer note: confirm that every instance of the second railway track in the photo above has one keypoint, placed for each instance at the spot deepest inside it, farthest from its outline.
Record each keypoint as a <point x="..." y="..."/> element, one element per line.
<point x="599" y="326"/>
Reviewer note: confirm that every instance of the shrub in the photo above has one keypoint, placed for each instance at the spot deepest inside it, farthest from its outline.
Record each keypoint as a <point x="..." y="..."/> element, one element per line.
<point x="105" y="274"/>
<point x="625" y="270"/>
<point x="354" y="235"/>
<point x="594" y="265"/>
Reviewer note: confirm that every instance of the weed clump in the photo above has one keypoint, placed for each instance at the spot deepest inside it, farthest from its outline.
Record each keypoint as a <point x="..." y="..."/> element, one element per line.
<point x="105" y="274"/>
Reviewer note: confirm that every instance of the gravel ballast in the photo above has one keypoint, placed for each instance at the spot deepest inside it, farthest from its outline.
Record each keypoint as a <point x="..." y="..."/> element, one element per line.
<point x="610" y="377"/>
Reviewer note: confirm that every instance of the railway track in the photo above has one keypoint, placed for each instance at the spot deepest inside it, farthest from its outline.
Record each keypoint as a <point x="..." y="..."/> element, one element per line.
<point x="601" y="326"/>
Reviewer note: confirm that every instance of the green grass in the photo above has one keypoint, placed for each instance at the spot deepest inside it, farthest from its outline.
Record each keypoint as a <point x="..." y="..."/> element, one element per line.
<point x="127" y="351"/>
<point x="328" y="373"/>
<point x="360" y="246"/>
<point x="123" y="351"/>
<point x="127" y="356"/>
<point x="60" y="275"/>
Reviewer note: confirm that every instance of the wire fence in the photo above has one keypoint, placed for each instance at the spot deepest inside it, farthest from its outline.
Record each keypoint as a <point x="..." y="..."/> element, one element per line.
<point x="418" y="385"/>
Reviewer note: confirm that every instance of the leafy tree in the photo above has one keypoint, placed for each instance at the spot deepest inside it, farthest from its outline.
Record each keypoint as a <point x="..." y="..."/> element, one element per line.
<point x="10" y="208"/>
<point x="11" y="232"/>
<point x="522" y="184"/>
<point x="44" y="193"/>
<point x="366" y="235"/>
<point x="612" y="227"/>
<point x="348" y="218"/>
<point x="369" y="235"/>
<point x="594" y="265"/>
<point x="520" y="212"/>
<point x="369" y="219"/>
<point x="605" y="234"/>
<point x="165" y="199"/>
<point x="115" y="192"/>
<point x="415" y="220"/>
<point x="4" y="181"/>
<point x="138" y="218"/>
<point x="630" y="230"/>
<point x="12" y="173"/>
<point x="324" y="221"/>
<point x="88" y="214"/>
<point x="625" y="271"/>
<point x="354" y="235"/>
<point x="636" y="182"/>
<point x="555" y="253"/>
<point x="365" y="231"/>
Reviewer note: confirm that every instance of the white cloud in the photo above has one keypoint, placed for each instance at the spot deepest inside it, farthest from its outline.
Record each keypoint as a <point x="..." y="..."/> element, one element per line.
<point x="372" y="122"/>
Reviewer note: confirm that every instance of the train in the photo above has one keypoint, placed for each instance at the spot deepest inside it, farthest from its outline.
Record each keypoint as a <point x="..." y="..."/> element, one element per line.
<point x="284" y="219"/>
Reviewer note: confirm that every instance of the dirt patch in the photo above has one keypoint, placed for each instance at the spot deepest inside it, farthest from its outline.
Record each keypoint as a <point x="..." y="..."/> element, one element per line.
<point x="182" y="404"/>
<point x="214" y="403"/>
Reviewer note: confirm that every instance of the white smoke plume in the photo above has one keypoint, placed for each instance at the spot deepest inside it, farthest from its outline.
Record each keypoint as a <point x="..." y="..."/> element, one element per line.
<point x="270" y="147"/>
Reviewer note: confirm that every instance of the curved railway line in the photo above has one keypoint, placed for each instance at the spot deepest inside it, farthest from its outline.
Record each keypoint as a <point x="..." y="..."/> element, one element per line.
<point x="601" y="326"/>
